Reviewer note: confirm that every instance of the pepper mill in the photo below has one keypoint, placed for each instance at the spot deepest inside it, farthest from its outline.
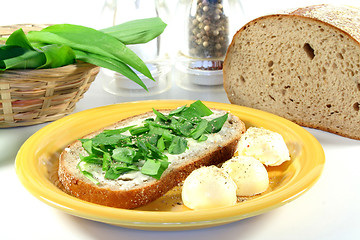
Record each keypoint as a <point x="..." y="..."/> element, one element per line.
<point x="208" y="29"/>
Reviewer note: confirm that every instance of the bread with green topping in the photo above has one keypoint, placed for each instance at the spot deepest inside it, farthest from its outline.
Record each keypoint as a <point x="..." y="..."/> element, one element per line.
<point x="134" y="189"/>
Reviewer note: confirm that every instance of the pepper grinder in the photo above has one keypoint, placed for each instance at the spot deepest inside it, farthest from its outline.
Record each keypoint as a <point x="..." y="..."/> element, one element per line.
<point x="208" y="28"/>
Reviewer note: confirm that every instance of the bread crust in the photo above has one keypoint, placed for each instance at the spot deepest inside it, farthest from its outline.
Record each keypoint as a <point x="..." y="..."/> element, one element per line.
<point x="82" y="188"/>
<point x="345" y="20"/>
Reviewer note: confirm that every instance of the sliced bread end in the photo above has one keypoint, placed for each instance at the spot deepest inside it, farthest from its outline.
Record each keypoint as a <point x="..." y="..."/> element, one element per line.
<point x="303" y="65"/>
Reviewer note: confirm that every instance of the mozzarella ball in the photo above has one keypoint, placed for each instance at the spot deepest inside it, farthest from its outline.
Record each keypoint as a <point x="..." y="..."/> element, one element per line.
<point x="266" y="146"/>
<point x="249" y="175"/>
<point x="208" y="187"/>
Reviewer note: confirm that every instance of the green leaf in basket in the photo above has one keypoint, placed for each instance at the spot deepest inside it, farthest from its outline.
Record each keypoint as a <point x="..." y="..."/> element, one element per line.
<point x="50" y="56"/>
<point x="111" y="64"/>
<point x="10" y="51"/>
<point x="18" y="38"/>
<point x="18" y="53"/>
<point x="20" y="58"/>
<point x="90" y="40"/>
<point x="57" y="56"/>
<point x="137" y="31"/>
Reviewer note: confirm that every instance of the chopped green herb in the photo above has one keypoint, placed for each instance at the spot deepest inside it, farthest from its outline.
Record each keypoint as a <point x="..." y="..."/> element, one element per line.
<point x="86" y="173"/>
<point x="125" y="155"/>
<point x="216" y="124"/>
<point x="117" y="131"/>
<point x="139" y="130"/>
<point x="106" y="161"/>
<point x="200" y="108"/>
<point x="202" y="138"/>
<point x="186" y="128"/>
<point x="92" y="158"/>
<point x="112" y="174"/>
<point x="154" y="168"/>
<point x="177" y="111"/>
<point x="87" y="145"/>
<point x="200" y="129"/>
<point x="144" y="147"/>
<point x="196" y="110"/>
<point x="161" y="144"/>
<point x="178" y="145"/>
<point x="90" y="176"/>
<point x="160" y="115"/>
<point x="104" y="139"/>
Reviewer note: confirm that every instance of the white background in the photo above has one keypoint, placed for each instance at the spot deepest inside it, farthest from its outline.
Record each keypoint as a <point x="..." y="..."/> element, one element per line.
<point x="329" y="210"/>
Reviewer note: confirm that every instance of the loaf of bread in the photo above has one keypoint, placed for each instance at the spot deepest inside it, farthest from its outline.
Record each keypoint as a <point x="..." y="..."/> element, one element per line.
<point x="301" y="64"/>
<point x="135" y="189"/>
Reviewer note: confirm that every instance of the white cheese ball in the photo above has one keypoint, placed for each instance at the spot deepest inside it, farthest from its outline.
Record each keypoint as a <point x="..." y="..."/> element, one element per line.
<point x="266" y="146"/>
<point x="208" y="187"/>
<point x="249" y="175"/>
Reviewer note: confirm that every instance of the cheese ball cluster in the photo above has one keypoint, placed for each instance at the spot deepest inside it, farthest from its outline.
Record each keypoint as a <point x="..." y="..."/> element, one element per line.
<point x="242" y="175"/>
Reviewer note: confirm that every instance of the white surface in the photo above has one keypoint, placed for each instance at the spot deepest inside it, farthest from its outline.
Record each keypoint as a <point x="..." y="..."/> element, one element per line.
<point x="329" y="210"/>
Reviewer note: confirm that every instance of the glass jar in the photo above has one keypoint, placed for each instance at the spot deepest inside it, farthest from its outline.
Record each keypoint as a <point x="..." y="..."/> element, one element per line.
<point x="151" y="52"/>
<point x="209" y="26"/>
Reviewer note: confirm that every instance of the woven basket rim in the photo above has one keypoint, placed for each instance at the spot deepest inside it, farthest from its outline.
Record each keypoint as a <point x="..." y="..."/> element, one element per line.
<point x="62" y="68"/>
<point x="34" y="96"/>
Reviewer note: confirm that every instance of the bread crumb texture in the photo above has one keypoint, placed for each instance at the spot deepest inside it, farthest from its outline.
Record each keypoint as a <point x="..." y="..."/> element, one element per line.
<point x="303" y="65"/>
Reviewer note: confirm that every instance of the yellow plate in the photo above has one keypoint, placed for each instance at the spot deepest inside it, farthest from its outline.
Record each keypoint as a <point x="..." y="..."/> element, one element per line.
<point x="36" y="166"/>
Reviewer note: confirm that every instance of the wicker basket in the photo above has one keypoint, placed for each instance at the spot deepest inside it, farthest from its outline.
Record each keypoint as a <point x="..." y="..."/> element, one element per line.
<point x="29" y="97"/>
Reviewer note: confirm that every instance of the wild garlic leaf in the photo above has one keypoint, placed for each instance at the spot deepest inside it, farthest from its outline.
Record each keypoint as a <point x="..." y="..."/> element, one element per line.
<point x="186" y="128"/>
<point x="105" y="48"/>
<point x="20" y="58"/>
<point x="160" y="116"/>
<point x="139" y="130"/>
<point x="123" y="154"/>
<point x="151" y="167"/>
<point x="10" y="51"/>
<point x="106" y="161"/>
<point x="92" y="158"/>
<point x="161" y="144"/>
<point x="87" y="145"/>
<point x="137" y="31"/>
<point x="109" y="132"/>
<point x="178" y="145"/>
<point x="18" y="38"/>
<point x="90" y="40"/>
<point x="177" y="110"/>
<point x="154" y="168"/>
<point x="216" y="124"/>
<point x="90" y="177"/>
<point x="111" y="64"/>
<point x="18" y="53"/>
<point x="200" y="108"/>
<point x="57" y="56"/>
<point x="112" y="174"/>
<point x="103" y="139"/>
<point x="200" y="129"/>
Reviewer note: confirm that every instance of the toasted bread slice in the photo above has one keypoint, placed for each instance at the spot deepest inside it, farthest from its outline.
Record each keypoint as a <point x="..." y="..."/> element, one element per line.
<point x="135" y="189"/>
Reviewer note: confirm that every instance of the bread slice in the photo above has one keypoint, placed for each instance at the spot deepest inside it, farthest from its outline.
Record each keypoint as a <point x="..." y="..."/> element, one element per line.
<point x="134" y="189"/>
<point x="302" y="64"/>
